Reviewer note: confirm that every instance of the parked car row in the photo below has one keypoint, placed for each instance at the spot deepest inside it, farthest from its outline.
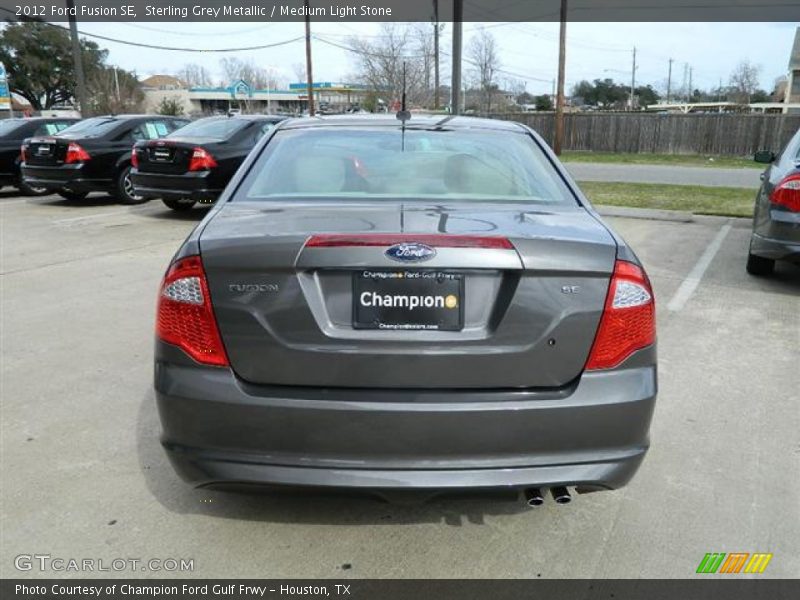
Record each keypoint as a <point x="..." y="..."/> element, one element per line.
<point x="134" y="158"/>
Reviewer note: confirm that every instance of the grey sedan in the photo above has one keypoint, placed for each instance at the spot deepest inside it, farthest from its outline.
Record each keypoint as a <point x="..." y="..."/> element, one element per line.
<point x="776" y="220"/>
<point x="426" y="305"/>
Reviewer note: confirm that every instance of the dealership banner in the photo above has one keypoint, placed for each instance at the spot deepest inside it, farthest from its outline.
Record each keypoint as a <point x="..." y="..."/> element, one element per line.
<point x="395" y="589"/>
<point x="400" y="10"/>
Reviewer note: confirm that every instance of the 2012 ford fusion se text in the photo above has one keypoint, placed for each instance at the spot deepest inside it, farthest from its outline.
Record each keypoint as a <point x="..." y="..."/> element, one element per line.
<point x="422" y="304"/>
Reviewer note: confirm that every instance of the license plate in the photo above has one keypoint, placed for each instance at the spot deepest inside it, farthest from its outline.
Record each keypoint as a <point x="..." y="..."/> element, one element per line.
<point x="43" y="150"/>
<point x="161" y="154"/>
<point x="408" y="300"/>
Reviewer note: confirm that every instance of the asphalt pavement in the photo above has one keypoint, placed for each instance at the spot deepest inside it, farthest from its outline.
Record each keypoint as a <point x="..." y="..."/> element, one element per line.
<point x="84" y="476"/>
<point x="676" y="175"/>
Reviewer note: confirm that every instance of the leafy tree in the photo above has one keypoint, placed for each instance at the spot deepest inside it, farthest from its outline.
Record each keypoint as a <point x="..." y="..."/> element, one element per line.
<point x="543" y="102"/>
<point x="602" y="92"/>
<point x="170" y="106"/>
<point x="38" y="58"/>
<point x="647" y="95"/>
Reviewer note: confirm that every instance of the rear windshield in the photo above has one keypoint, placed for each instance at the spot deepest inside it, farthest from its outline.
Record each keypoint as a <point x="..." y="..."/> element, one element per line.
<point x="9" y="126"/>
<point x="220" y="129"/>
<point x="384" y="162"/>
<point x="93" y="127"/>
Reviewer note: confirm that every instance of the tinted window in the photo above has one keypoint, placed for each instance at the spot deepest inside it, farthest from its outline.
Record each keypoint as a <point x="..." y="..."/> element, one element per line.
<point x="52" y="128"/>
<point x="380" y="162"/>
<point x="220" y="129"/>
<point x="93" y="127"/>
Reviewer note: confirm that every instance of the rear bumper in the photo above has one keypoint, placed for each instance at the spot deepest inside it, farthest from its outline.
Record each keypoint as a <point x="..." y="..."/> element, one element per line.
<point x="64" y="177"/>
<point x="217" y="429"/>
<point x="193" y="186"/>
<point x="776" y="249"/>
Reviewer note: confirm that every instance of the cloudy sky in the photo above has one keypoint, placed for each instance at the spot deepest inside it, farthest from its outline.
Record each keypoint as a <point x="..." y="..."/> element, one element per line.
<point x="529" y="51"/>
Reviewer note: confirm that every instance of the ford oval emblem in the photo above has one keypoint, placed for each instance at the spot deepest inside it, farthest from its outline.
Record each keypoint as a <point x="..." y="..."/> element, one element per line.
<point x="410" y="252"/>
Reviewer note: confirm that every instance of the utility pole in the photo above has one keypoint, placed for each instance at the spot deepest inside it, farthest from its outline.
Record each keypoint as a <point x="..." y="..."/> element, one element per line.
<point x="78" y="61"/>
<point x="633" y="78"/>
<point x="685" y="77"/>
<point x="558" y="139"/>
<point x="455" y="84"/>
<point x="309" y="74"/>
<point x="435" y="54"/>
<point x="669" y="80"/>
<point x="116" y="85"/>
<point x="691" y="91"/>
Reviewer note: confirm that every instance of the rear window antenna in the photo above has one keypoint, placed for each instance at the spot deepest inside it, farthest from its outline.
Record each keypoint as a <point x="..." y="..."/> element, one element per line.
<point x="403" y="114"/>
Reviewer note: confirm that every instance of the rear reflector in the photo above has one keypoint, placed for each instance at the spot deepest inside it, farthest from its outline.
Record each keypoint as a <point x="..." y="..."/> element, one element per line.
<point x="341" y="240"/>
<point x="628" y="323"/>
<point x="76" y="153"/>
<point x="185" y="317"/>
<point x="134" y="158"/>
<point x="787" y="193"/>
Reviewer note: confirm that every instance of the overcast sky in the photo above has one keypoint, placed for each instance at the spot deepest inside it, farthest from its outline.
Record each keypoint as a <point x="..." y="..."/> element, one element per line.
<point x="528" y="50"/>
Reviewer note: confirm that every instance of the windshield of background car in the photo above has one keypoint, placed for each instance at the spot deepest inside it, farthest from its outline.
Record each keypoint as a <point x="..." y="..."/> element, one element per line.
<point x="94" y="127"/>
<point x="422" y="164"/>
<point x="220" y="129"/>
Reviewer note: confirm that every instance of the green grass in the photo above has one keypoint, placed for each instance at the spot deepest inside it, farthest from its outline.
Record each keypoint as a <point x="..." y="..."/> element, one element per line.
<point x="689" y="160"/>
<point x="701" y="200"/>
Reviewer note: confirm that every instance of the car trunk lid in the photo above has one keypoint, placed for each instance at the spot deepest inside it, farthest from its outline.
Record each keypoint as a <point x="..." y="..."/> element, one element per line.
<point x="290" y="311"/>
<point x="171" y="156"/>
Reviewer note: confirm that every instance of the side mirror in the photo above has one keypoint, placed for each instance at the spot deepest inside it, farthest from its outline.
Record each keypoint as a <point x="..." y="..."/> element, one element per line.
<point x="764" y="156"/>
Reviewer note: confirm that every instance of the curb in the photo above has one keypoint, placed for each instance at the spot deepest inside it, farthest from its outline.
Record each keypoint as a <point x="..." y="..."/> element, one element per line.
<point x="654" y="214"/>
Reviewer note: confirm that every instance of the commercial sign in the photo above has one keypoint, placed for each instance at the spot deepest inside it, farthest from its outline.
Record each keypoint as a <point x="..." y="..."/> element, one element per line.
<point x="5" y="95"/>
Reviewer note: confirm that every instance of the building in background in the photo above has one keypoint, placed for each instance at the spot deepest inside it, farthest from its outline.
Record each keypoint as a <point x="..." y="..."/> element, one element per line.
<point x="793" y="78"/>
<point x="239" y="96"/>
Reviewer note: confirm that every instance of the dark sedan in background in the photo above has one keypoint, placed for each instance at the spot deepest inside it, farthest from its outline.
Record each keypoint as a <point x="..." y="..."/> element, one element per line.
<point x="12" y="133"/>
<point x="776" y="221"/>
<point x="426" y="305"/>
<point x="195" y="163"/>
<point x="93" y="155"/>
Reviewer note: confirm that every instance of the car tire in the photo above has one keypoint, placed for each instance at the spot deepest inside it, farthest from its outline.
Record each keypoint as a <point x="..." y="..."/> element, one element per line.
<point x="29" y="190"/>
<point x="180" y="206"/>
<point x="758" y="265"/>
<point x="72" y="196"/>
<point x="124" y="188"/>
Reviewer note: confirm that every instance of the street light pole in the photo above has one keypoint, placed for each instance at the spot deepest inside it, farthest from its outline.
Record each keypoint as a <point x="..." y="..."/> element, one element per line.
<point x="558" y="138"/>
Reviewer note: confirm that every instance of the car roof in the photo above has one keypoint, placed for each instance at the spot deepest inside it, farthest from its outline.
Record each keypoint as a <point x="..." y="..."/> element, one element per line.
<point x="33" y="119"/>
<point x="240" y="117"/>
<point x="120" y="117"/>
<point x="421" y="121"/>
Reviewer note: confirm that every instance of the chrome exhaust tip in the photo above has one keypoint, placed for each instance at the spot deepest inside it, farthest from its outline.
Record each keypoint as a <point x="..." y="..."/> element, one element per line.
<point x="534" y="497"/>
<point x="561" y="495"/>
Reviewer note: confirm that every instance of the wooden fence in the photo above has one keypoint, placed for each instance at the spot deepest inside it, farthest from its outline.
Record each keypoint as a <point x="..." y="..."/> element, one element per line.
<point x="720" y="134"/>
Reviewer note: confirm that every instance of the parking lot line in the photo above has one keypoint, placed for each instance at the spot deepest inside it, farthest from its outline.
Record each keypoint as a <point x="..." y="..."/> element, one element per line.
<point x="692" y="280"/>
<point x="100" y="215"/>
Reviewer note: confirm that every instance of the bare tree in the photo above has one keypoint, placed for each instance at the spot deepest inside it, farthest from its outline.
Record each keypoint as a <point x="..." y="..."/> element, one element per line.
<point x="744" y="81"/>
<point x="114" y="91"/>
<point x="194" y="75"/>
<point x="256" y="77"/>
<point x="484" y="56"/>
<point x="299" y="70"/>
<point x="380" y="64"/>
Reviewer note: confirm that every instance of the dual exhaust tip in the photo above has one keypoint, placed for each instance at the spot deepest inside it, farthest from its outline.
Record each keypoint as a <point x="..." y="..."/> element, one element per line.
<point x="534" y="496"/>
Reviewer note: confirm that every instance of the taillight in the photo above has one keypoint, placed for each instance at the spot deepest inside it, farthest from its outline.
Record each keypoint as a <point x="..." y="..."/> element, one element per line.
<point x="76" y="153"/>
<point x="134" y="158"/>
<point x="339" y="240"/>
<point x="787" y="193"/>
<point x="185" y="317"/>
<point x="201" y="160"/>
<point x="629" y="318"/>
<point x="23" y="153"/>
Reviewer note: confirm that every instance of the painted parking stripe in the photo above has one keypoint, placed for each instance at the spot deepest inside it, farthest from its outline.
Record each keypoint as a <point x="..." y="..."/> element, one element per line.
<point x="692" y="280"/>
<point x="125" y="211"/>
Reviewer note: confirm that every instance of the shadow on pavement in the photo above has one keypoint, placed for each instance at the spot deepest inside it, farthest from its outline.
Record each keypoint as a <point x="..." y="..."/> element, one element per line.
<point x="296" y="506"/>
